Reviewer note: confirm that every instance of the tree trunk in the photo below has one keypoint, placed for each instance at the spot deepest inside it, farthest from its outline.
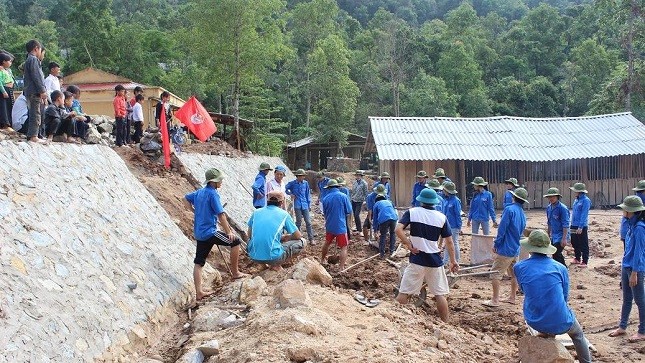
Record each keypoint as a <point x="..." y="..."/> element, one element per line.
<point x="236" y="88"/>
<point x="630" y="55"/>
<point x="308" y="106"/>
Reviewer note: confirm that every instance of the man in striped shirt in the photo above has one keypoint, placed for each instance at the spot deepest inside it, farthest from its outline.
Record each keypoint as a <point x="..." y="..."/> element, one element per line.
<point x="426" y="264"/>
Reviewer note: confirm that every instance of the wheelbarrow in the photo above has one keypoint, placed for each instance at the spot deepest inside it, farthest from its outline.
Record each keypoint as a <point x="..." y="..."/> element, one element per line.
<point x="453" y="278"/>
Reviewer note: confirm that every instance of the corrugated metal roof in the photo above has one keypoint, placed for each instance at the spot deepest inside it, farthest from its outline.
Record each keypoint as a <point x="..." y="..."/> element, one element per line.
<point x="302" y="142"/>
<point x="507" y="138"/>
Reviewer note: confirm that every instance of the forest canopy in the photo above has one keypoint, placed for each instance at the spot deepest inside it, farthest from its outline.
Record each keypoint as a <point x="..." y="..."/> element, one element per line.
<point x="320" y="67"/>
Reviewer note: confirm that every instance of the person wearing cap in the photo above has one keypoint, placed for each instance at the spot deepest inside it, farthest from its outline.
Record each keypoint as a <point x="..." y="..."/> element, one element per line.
<point x="579" y="224"/>
<point x="358" y="194"/>
<point x="337" y="208"/>
<point x="506" y="245"/>
<point x="427" y="225"/>
<point x="418" y="186"/>
<point x="511" y="184"/>
<point x="384" y="179"/>
<point x="557" y="219"/>
<point x="369" y="203"/>
<point x="301" y="196"/>
<point x="342" y="186"/>
<point x="273" y="237"/>
<point x="633" y="267"/>
<point x="321" y="182"/>
<point x="545" y="284"/>
<point x="384" y="221"/>
<point x="259" y="186"/>
<point x="437" y="187"/>
<point x="208" y="212"/>
<point x="481" y="208"/>
<point x="277" y="184"/>
<point x="640" y="192"/>
<point x="440" y="175"/>
<point x="452" y="210"/>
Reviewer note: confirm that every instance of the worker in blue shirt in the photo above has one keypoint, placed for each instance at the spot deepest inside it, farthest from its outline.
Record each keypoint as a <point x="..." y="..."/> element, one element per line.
<point x="343" y="186"/>
<point x="384" y="179"/>
<point x="452" y="210"/>
<point x="506" y="245"/>
<point x="557" y="219"/>
<point x="633" y="267"/>
<point x="384" y="221"/>
<point x="440" y="175"/>
<point x="259" y="186"/>
<point x="640" y="192"/>
<point x="301" y="195"/>
<point x="268" y="242"/>
<point x="437" y="187"/>
<point x="579" y="223"/>
<point x="321" y="182"/>
<point x="545" y="284"/>
<point x="420" y="184"/>
<point x="511" y="184"/>
<point x="337" y="209"/>
<point x="481" y="208"/>
<point x="208" y="212"/>
<point x="369" y="203"/>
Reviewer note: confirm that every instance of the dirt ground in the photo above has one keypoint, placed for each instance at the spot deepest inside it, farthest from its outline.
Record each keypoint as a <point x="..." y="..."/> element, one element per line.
<point x="595" y="295"/>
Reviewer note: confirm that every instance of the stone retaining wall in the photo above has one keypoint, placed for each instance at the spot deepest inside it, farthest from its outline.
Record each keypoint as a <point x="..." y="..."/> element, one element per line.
<point x="76" y="227"/>
<point x="240" y="173"/>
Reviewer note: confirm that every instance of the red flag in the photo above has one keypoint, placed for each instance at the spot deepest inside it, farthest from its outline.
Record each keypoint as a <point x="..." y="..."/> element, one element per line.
<point x="165" y="138"/>
<point x="196" y="118"/>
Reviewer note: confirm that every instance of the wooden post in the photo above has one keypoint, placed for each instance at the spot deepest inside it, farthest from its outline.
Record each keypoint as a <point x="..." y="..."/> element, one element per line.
<point x="462" y="180"/>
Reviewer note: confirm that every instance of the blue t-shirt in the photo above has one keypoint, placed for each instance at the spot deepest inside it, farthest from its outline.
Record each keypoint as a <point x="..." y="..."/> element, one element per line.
<point x="545" y="284"/>
<point x="634" y="257"/>
<point x="206" y="202"/>
<point x="267" y="225"/>
<point x="439" y="205"/>
<point x="452" y="210"/>
<point x="481" y="207"/>
<point x="336" y="207"/>
<point x="580" y="211"/>
<point x="302" y="193"/>
<point x="426" y="226"/>
<point x="259" y="188"/>
<point x="557" y="217"/>
<point x="508" y="198"/>
<point x="509" y="232"/>
<point x="382" y="212"/>
<point x="322" y="191"/>
<point x="416" y="190"/>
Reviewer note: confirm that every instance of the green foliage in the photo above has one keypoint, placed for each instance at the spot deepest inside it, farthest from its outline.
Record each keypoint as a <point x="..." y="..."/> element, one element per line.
<point x="92" y="35"/>
<point x="428" y="96"/>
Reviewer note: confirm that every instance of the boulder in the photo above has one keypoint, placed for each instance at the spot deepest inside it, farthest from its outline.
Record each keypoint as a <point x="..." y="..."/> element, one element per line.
<point x="291" y="293"/>
<point x="93" y="135"/>
<point x="251" y="289"/>
<point x="192" y="356"/>
<point x="301" y="354"/>
<point x="105" y="127"/>
<point x="542" y="350"/>
<point x="211" y="318"/>
<point x="311" y="271"/>
<point x="209" y="348"/>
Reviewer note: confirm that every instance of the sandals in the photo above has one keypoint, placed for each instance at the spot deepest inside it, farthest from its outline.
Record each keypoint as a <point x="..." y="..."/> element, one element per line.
<point x="490" y="304"/>
<point x="636" y="338"/>
<point x="370" y="303"/>
<point x="617" y="333"/>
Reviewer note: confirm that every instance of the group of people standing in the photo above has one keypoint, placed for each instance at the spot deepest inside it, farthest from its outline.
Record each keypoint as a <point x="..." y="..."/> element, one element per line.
<point x="435" y="223"/>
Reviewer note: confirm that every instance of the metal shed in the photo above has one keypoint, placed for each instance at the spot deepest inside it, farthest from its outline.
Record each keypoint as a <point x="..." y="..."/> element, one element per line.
<point x="606" y="152"/>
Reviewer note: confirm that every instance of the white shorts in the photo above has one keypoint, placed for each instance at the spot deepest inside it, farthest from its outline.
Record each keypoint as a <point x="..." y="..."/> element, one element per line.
<point x="414" y="276"/>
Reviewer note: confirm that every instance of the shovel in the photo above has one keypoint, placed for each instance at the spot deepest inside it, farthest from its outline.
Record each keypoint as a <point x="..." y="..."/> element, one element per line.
<point x="452" y="278"/>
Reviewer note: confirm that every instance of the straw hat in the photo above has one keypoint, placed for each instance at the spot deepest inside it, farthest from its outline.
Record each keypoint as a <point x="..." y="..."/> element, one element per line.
<point x="479" y="181"/>
<point x="579" y="188"/>
<point x="552" y="192"/>
<point x="538" y="241"/>
<point x="632" y="203"/>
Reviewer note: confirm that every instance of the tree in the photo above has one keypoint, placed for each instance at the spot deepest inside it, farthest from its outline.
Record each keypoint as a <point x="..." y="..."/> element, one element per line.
<point x="335" y="93"/>
<point x="237" y="40"/>
<point x="428" y="96"/>
<point x="541" y="98"/>
<point x="92" y="31"/>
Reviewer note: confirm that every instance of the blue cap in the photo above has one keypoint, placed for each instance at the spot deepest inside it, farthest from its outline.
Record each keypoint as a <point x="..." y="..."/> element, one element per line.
<point x="428" y="196"/>
<point x="280" y="168"/>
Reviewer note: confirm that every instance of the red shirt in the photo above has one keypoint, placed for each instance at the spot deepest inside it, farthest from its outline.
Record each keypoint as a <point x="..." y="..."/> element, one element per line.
<point x="119" y="106"/>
